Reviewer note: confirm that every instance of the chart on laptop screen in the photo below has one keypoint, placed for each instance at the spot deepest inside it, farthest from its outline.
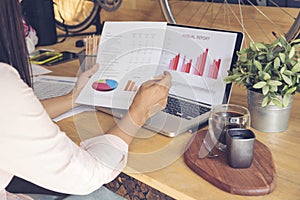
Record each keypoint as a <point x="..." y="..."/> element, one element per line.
<point x="198" y="60"/>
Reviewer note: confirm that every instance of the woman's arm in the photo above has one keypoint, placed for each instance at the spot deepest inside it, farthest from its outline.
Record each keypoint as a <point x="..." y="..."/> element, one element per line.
<point x="57" y="105"/>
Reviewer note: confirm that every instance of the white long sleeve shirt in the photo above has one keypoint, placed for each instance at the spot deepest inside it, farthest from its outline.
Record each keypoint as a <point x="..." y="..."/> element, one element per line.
<point x="34" y="148"/>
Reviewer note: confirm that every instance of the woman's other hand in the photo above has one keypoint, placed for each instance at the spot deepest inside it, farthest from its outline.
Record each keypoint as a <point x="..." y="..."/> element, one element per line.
<point x="151" y="97"/>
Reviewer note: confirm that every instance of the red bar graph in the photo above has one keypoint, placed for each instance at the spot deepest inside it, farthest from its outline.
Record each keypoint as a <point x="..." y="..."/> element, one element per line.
<point x="188" y="67"/>
<point x="174" y="62"/>
<point x="214" y="69"/>
<point x="202" y="61"/>
<point x="182" y="64"/>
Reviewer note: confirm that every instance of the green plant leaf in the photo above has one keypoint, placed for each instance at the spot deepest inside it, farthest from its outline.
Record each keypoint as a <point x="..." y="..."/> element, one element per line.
<point x="243" y="70"/>
<point x="286" y="100"/>
<point x="295" y="41"/>
<point x="257" y="65"/>
<point x="277" y="102"/>
<point x="238" y="79"/>
<point x="288" y="73"/>
<point x="276" y="63"/>
<point x="282" y="41"/>
<point x="273" y="88"/>
<point x="268" y="66"/>
<point x="242" y="51"/>
<point x="296" y="68"/>
<point x="260" y="45"/>
<point x="261" y="57"/>
<point x="265" y="101"/>
<point x="276" y="43"/>
<point x="285" y="88"/>
<point x="232" y="78"/>
<point x="243" y="59"/>
<point x="265" y="90"/>
<point x="292" y="53"/>
<point x="228" y="80"/>
<point x="293" y="62"/>
<point x="282" y="69"/>
<point x="259" y="84"/>
<point x="272" y="96"/>
<point x="261" y="74"/>
<point x="270" y="57"/>
<point x="266" y="76"/>
<point x="286" y="79"/>
<point x="253" y="47"/>
<point x="291" y="90"/>
<point x="294" y="81"/>
<point x="282" y="57"/>
<point x="274" y="83"/>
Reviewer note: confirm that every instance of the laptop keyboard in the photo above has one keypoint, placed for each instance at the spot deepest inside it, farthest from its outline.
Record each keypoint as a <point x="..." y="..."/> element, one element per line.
<point x="45" y="90"/>
<point x="184" y="109"/>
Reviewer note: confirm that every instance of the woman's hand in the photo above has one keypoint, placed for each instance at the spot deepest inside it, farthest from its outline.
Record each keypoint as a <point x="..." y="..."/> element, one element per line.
<point x="57" y="105"/>
<point x="151" y="97"/>
<point x="83" y="79"/>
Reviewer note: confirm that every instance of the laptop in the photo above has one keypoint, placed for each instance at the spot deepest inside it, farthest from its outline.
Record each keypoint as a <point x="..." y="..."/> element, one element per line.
<point x="198" y="70"/>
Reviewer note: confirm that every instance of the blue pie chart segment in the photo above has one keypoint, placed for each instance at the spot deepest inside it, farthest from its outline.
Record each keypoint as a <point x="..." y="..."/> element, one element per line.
<point x="105" y="85"/>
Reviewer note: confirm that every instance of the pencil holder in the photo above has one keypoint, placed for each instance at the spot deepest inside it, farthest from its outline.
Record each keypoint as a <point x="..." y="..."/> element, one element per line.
<point x="86" y="61"/>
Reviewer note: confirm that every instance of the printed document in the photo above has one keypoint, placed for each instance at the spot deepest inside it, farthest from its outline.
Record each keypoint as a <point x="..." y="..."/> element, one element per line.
<point x="128" y="54"/>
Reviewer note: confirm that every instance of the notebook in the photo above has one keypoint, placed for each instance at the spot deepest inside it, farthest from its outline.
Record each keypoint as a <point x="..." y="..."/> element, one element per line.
<point x="198" y="60"/>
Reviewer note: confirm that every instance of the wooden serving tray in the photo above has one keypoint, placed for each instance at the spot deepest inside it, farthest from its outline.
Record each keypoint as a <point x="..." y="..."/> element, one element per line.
<point x="258" y="179"/>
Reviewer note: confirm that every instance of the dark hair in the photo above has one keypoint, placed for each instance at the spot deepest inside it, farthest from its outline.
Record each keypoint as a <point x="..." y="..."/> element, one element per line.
<point x="13" y="49"/>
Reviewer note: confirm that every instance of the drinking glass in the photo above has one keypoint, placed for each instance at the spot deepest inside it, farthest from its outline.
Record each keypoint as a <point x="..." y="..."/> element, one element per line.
<point x="224" y="117"/>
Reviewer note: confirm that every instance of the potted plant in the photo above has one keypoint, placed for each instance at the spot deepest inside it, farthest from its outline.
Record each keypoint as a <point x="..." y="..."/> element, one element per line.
<point x="271" y="73"/>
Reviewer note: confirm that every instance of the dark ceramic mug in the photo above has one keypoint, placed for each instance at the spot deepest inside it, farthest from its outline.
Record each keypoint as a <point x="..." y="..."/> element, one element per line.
<point x="240" y="147"/>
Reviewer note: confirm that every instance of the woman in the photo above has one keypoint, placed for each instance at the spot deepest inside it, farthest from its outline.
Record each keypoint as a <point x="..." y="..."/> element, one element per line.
<point x="34" y="148"/>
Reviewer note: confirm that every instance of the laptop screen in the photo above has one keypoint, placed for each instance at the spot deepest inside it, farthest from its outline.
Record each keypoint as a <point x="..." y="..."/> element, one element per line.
<point x="198" y="60"/>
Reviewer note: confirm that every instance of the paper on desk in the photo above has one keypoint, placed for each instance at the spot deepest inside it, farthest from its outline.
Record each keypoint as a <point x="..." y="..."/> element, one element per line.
<point x="74" y="111"/>
<point x="39" y="70"/>
<point x="128" y="53"/>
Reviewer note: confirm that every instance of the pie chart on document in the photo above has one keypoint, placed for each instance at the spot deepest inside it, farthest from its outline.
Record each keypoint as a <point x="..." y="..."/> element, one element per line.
<point x="105" y="85"/>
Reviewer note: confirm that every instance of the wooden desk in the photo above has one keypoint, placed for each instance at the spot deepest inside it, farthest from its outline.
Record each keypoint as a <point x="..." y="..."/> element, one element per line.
<point x="176" y="179"/>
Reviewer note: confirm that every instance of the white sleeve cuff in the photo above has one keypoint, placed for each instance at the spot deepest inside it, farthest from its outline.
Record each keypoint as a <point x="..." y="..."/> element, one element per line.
<point x="109" y="150"/>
